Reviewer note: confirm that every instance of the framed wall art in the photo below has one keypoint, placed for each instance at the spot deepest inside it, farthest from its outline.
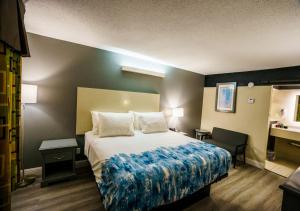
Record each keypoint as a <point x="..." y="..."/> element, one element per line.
<point x="226" y="97"/>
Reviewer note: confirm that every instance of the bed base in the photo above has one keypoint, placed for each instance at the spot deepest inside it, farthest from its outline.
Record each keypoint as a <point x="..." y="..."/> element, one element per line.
<point x="188" y="200"/>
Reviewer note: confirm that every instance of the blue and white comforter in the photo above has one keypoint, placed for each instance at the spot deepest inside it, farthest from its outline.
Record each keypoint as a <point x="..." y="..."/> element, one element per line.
<point x="149" y="179"/>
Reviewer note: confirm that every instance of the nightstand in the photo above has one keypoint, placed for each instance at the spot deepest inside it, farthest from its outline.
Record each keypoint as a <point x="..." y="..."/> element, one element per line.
<point x="201" y="134"/>
<point x="58" y="160"/>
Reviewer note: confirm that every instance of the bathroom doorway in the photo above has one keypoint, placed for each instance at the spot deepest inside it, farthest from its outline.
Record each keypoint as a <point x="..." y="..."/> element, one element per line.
<point x="283" y="153"/>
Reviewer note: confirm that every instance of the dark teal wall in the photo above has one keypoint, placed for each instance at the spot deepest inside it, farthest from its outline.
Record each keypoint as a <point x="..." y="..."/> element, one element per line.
<point x="58" y="67"/>
<point x="277" y="76"/>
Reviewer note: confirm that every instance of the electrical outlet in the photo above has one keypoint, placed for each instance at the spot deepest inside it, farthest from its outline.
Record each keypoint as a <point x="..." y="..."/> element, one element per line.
<point x="77" y="150"/>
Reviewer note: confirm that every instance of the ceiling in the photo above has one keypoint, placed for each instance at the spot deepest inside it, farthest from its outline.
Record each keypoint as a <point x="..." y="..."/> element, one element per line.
<point x="203" y="36"/>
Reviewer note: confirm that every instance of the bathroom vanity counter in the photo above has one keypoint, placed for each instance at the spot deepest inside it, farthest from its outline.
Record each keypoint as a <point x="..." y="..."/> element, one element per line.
<point x="292" y="133"/>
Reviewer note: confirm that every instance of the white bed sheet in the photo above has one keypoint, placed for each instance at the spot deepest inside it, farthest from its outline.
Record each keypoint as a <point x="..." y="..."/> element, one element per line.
<point x="99" y="149"/>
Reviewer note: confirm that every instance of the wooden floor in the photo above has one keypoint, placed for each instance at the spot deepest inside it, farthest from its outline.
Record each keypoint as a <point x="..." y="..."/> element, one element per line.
<point x="282" y="167"/>
<point x="246" y="188"/>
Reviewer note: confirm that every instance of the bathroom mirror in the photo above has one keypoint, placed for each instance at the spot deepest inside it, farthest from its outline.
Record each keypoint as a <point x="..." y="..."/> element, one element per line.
<point x="297" y="109"/>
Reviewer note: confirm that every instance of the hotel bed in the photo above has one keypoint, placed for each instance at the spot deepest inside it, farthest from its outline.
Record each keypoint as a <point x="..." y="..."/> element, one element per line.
<point x="146" y="168"/>
<point x="149" y="170"/>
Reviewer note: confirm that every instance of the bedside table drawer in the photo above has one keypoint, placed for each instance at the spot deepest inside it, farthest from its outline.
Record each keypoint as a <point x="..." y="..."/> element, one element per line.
<point x="58" y="155"/>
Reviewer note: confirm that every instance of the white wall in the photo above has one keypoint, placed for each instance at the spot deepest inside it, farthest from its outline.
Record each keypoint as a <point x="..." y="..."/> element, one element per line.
<point x="284" y="99"/>
<point x="251" y="119"/>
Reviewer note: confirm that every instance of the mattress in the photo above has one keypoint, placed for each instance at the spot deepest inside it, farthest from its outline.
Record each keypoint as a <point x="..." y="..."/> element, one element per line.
<point x="98" y="149"/>
<point x="148" y="170"/>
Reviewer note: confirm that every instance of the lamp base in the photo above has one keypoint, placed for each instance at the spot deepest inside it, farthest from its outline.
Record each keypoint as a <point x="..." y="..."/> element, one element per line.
<point x="27" y="180"/>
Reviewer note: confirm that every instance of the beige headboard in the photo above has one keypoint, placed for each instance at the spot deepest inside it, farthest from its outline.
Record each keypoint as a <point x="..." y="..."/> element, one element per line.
<point x="105" y="100"/>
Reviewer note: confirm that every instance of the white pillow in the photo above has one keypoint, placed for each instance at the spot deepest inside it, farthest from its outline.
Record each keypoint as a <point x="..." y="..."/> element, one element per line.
<point x="153" y="123"/>
<point x="115" y="124"/>
<point x="137" y="116"/>
<point x="95" y="122"/>
<point x="136" y="119"/>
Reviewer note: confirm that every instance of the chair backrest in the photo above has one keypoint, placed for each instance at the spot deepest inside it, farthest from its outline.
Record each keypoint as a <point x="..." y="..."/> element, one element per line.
<point x="229" y="137"/>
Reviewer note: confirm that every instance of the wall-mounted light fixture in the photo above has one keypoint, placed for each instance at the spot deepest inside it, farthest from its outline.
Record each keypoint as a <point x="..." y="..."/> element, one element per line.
<point x="142" y="71"/>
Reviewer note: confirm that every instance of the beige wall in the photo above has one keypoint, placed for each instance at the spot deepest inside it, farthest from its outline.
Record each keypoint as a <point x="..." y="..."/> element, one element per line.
<point x="251" y="119"/>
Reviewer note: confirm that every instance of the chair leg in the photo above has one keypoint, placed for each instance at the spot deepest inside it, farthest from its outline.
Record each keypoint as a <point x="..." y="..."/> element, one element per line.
<point x="244" y="158"/>
<point x="234" y="161"/>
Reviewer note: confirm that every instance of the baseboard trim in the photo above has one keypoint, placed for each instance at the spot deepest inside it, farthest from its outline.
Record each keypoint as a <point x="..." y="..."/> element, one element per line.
<point x="255" y="163"/>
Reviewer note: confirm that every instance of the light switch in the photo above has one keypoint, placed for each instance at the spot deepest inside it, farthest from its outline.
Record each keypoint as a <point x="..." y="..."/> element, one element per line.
<point x="251" y="100"/>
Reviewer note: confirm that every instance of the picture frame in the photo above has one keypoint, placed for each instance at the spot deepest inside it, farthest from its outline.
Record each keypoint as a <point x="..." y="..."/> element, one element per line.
<point x="226" y="97"/>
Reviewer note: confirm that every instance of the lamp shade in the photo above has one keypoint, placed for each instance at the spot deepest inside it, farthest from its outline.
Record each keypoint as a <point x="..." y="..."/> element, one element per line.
<point x="29" y="93"/>
<point x="178" y="112"/>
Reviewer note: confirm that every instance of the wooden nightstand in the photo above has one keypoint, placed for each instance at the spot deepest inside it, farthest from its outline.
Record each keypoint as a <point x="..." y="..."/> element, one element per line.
<point x="58" y="160"/>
